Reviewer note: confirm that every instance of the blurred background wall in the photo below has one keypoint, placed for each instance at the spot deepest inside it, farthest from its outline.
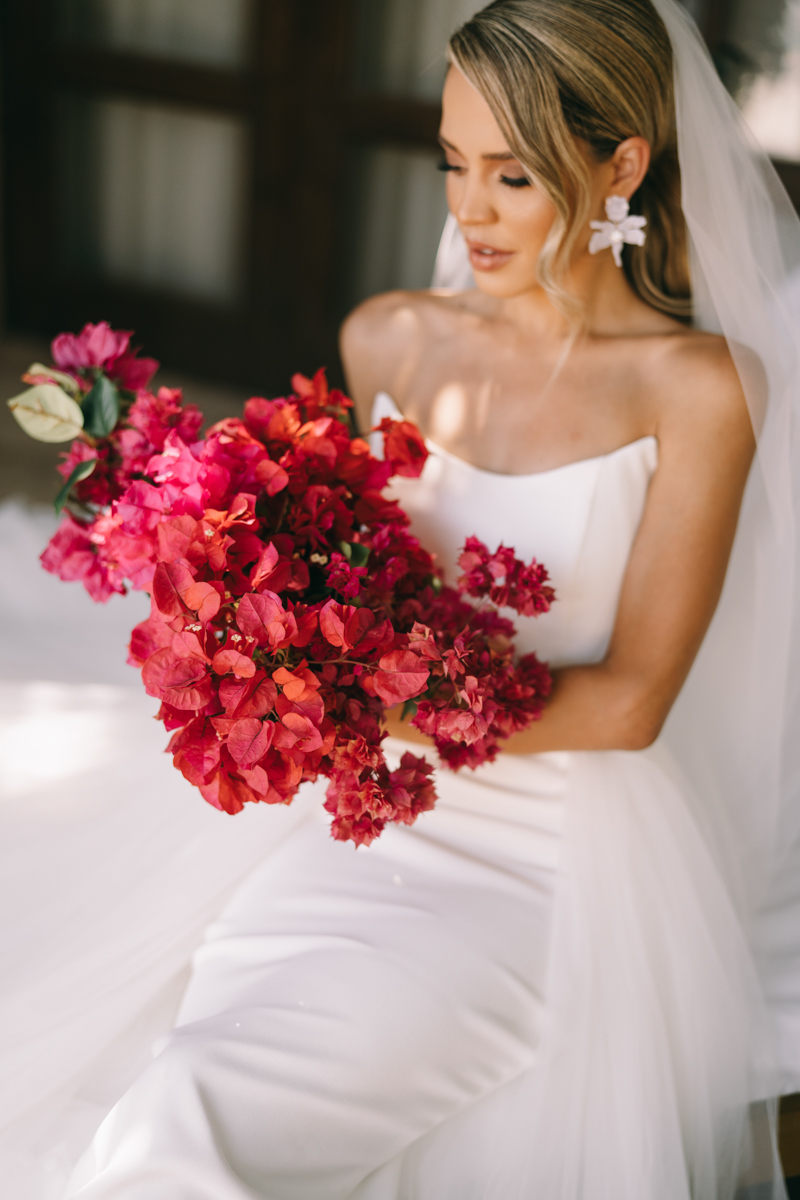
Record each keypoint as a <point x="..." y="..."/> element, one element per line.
<point x="228" y="177"/>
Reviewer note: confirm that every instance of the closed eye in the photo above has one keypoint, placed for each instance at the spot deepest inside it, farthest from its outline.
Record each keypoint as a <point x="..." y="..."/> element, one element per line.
<point x="513" y="181"/>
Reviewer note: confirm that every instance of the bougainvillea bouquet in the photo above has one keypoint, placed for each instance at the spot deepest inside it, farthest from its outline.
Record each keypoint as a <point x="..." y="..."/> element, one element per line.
<point x="290" y="604"/>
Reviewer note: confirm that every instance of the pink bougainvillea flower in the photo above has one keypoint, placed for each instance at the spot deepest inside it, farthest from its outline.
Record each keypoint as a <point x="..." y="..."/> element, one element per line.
<point x="251" y="697"/>
<point x="343" y="625"/>
<point x="181" y="680"/>
<point x="300" y="691"/>
<point x="149" y="636"/>
<point x="272" y="476"/>
<point x="150" y="421"/>
<point x="72" y="555"/>
<point x="78" y="452"/>
<point x="400" y="676"/>
<point x="204" y="599"/>
<point x="233" y="661"/>
<point x="298" y="733"/>
<point x="196" y="749"/>
<point x="103" y="347"/>
<point x="263" y="618"/>
<point x="170" y="580"/>
<point x="249" y="740"/>
<point x="277" y="568"/>
<point x="291" y="604"/>
<point x="412" y="787"/>
<point x="94" y="346"/>
<point x="227" y="792"/>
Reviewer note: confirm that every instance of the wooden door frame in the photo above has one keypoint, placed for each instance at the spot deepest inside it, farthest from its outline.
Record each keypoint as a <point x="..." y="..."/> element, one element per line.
<point x="290" y="97"/>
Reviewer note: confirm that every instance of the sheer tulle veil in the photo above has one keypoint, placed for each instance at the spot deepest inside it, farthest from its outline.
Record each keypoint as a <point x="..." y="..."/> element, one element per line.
<point x="737" y="724"/>
<point x="735" y="730"/>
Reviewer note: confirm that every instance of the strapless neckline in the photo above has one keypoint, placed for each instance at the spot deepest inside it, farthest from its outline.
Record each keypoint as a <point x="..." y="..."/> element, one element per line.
<point x="579" y="519"/>
<point x="435" y="448"/>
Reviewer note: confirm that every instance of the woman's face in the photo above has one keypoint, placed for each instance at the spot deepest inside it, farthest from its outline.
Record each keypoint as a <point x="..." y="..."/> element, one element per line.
<point x="504" y="218"/>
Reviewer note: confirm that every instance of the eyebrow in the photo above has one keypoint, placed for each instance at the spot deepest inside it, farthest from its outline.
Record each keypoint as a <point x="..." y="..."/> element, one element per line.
<point x="502" y="156"/>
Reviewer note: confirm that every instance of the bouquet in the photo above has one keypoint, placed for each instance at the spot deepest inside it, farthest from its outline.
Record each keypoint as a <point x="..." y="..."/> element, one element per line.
<point x="290" y="604"/>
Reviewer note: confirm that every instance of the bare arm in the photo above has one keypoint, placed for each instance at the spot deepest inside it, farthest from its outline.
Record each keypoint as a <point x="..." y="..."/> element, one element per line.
<point x="674" y="577"/>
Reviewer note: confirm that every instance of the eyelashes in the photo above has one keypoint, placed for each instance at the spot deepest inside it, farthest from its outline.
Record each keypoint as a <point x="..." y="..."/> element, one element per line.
<point x="512" y="181"/>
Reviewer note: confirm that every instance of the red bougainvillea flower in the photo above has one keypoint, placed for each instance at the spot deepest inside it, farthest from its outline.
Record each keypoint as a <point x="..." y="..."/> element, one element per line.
<point x="405" y="447"/>
<point x="290" y="603"/>
<point x="506" y="580"/>
<point x="315" y="396"/>
<point x="344" y="578"/>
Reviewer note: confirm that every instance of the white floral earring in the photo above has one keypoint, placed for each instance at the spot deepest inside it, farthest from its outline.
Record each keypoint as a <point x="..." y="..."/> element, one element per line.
<point x="618" y="229"/>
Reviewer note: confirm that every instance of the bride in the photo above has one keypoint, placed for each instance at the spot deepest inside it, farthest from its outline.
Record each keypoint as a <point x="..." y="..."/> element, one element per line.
<point x="575" y="979"/>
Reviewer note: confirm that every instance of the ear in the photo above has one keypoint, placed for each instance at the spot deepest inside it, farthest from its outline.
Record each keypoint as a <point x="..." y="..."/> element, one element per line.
<point x="629" y="163"/>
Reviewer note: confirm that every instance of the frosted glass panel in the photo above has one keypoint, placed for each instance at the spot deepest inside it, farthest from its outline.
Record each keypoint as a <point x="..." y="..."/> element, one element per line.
<point x="203" y="31"/>
<point x="760" y="63"/>
<point x="154" y="196"/>
<point x="400" y="212"/>
<point x="400" y="44"/>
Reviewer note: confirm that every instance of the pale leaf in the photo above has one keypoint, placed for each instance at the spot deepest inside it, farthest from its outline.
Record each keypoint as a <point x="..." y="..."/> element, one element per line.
<point x="37" y="369"/>
<point x="47" y="413"/>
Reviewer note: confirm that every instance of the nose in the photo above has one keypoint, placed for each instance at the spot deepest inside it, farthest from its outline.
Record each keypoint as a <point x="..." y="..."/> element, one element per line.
<point x="470" y="203"/>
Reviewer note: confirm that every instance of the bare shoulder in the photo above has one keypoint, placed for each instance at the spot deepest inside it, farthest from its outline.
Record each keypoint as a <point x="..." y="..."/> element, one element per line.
<point x="383" y="339"/>
<point x="697" y="388"/>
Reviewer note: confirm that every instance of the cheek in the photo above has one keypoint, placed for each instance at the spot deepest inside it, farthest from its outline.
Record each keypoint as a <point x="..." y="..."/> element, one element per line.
<point x="454" y="188"/>
<point x="529" y="216"/>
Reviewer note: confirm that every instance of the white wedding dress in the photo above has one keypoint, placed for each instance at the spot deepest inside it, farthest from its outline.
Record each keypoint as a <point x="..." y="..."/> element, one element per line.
<point x="578" y="978"/>
<point x="540" y="991"/>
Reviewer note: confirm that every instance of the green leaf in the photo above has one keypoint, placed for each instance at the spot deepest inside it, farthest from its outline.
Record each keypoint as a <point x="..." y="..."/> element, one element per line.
<point x="355" y="553"/>
<point x="408" y="710"/>
<point x="101" y="408"/>
<point x="82" y="471"/>
<point x="47" y="413"/>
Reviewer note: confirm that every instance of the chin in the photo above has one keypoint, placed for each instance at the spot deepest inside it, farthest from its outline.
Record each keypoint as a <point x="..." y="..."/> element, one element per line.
<point x="505" y="284"/>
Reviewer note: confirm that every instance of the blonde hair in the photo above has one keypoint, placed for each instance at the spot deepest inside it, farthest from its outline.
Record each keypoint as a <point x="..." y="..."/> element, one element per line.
<point x="556" y="73"/>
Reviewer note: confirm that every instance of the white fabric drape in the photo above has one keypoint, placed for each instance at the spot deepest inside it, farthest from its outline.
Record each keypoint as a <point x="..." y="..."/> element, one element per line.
<point x="110" y="868"/>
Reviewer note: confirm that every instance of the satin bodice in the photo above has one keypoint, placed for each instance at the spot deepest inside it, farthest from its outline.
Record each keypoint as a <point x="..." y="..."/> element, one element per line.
<point x="580" y="520"/>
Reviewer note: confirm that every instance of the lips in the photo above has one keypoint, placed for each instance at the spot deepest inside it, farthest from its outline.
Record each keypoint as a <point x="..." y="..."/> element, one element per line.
<point x="484" y="257"/>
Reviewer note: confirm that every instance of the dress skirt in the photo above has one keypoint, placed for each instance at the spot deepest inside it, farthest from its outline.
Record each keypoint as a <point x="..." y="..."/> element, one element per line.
<point x="540" y="991"/>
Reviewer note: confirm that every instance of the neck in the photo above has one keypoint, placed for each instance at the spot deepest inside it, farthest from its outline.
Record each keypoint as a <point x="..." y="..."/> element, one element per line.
<point x="608" y="306"/>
